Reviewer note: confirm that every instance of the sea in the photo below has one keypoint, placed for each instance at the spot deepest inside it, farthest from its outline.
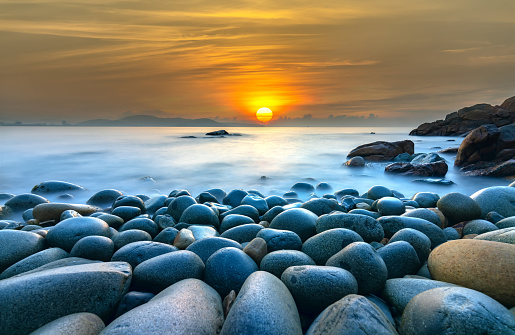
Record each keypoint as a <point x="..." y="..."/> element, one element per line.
<point x="157" y="160"/>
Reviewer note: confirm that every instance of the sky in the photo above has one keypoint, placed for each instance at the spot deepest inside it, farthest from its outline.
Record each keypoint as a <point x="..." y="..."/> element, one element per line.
<point x="401" y="60"/>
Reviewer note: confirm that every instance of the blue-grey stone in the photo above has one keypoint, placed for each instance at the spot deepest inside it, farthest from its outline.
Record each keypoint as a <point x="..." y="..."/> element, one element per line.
<point x="390" y="206"/>
<point x="478" y="227"/>
<point x="127" y="213"/>
<point x="455" y="310"/>
<point x="234" y="197"/>
<point x="500" y="199"/>
<point x="56" y="186"/>
<point x="257" y="202"/>
<point x="104" y="198"/>
<point x="130" y="200"/>
<point x="346" y="191"/>
<point x="367" y="227"/>
<point x="323" y="246"/>
<point x="359" y="211"/>
<point x="418" y="240"/>
<point x="206" y="197"/>
<point x="76" y="323"/>
<point x="112" y="220"/>
<point x="200" y="215"/>
<point x="400" y="258"/>
<point x="129" y="236"/>
<point x="272" y="213"/>
<point x="302" y="187"/>
<point x="365" y="264"/>
<point x="322" y="206"/>
<point x="66" y="233"/>
<point x="97" y="248"/>
<point x="246" y="210"/>
<point x="383" y="306"/>
<point x="132" y="300"/>
<point x="155" y="203"/>
<point x="426" y="214"/>
<point x="142" y="224"/>
<point x="68" y="214"/>
<point x="34" y="261"/>
<point x="278" y="261"/>
<point x="137" y="252"/>
<point x="378" y="192"/>
<point x="200" y="232"/>
<point x="263" y="306"/>
<point x="15" y="245"/>
<point x="392" y="224"/>
<point x="451" y="234"/>
<point x="459" y="207"/>
<point x="506" y="223"/>
<point x="299" y="220"/>
<point x="22" y="202"/>
<point x="178" y="193"/>
<point x="178" y="205"/>
<point x="505" y="235"/>
<point x="426" y="199"/>
<point x="234" y="220"/>
<point x="275" y="200"/>
<point x="166" y="235"/>
<point x="205" y="247"/>
<point x="277" y="239"/>
<point x="243" y="233"/>
<point x="316" y="287"/>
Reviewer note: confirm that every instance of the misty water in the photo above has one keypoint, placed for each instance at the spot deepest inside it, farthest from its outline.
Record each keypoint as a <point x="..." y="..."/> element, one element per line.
<point x="125" y="158"/>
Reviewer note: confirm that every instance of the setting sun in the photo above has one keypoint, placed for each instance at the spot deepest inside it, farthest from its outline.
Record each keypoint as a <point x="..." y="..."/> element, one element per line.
<point x="264" y="114"/>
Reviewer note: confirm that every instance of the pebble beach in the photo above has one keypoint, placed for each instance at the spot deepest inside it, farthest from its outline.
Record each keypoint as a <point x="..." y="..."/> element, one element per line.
<point x="313" y="260"/>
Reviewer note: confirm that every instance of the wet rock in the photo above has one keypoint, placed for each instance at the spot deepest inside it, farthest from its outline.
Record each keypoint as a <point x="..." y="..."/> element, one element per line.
<point x="142" y="224"/>
<point x="324" y="188"/>
<point x="302" y="188"/>
<point x="322" y="206"/>
<point x="436" y="169"/>
<point x="234" y="197"/>
<point x="56" y="186"/>
<point x="104" y="198"/>
<point x="426" y="214"/>
<point x="130" y="236"/>
<point x="323" y="246"/>
<point x="153" y="204"/>
<point x="183" y="239"/>
<point x="200" y="232"/>
<point x="441" y="310"/>
<point x="275" y="200"/>
<point x="500" y="199"/>
<point x="66" y="233"/>
<point x="126" y="213"/>
<point x="418" y="240"/>
<point x="390" y="206"/>
<point x="451" y="234"/>
<point x="278" y="261"/>
<point x="352" y="314"/>
<point x="206" y="247"/>
<point x="434" y="181"/>
<point x="132" y="300"/>
<point x="206" y="197"/>
<point x="367" y="227"/>
<point x="130" y="200"/>
<point x="257" y="202"/>
<point x="381" y="151"/>
<point x="243" y="233"/>
<point x="478" y="227"/>
<point x="178" y="205"/>
<point x="187" y="307"/>
<point x="485" y="266"/>
<point x="392" y="224"/>
<point x="256" y="249"/>
<point x="166" y="235"/>
<point x="138" y="252"/>
<point x="95" y="288"/>
<point x="378" y="192"/>
<point x="234" y="220"/>
<point x="479" y="145"/>
<point x="426" y="199"/>
<point x="34" y="261"/>
<point x="217" y="133"/>
<point x="22" y="202"/>
<point x="112" y="220"/>
<point x="277" y="239"/>
<point x="364" y="263"/>
<point x="15" y="245"/>
<point x="400" y="258"/>
<point x="98" y="248"/>
<point x="246" y="210"/>
<point x="299" y="220"/>
<point x="459" y="207"/>
<point x="357" y="161"/>
<point x="77" y="323"/>
<point x="199" y="215"/>
<point x="506" y="223"/>
<point x="53" y="211"/>
<point x="69" y="214"/>
<point x="263" y="306"/>
<point x="316" y="287"/>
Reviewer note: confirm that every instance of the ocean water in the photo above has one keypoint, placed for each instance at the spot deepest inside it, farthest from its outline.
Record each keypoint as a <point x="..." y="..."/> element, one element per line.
<point x="155" y="161"/>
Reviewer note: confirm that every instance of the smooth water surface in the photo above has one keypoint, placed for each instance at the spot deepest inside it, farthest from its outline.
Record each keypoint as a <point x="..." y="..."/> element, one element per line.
<point x="121" y="158"/>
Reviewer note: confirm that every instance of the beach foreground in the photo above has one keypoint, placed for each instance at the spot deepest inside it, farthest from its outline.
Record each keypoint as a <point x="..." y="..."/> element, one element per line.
<point x="312" y="260"/>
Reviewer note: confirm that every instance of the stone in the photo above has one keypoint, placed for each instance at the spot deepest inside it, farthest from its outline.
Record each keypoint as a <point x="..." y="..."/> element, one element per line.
<point x="56" y="186"/>
<point x="234" y="197"/>
<point x="99" y="248"/>
<point x="131" y="201"/>
<point x="178" y="205"/>
<point x="353" y="314"/>
<point x="183" y="239"/>
<point x="234" y="220"/>
<point x="500" y="199"/>
<point x="478" y="145"/>
<point x="243" y="233"/>
<point x="95" y="288"/>
<point x="451" y="234"/>
<point x="206" y="197"/>
<point x="200" y="232"/>
<point x="426" y="199"/>
<point x="400" y="258"/>
<point x="434" y="181"/>
<point x="22" y="202"/>
<point x="392" y="224"/>
<point x="178" y="193"/>
<point x="227" y="269"/>
<point x="157" y="273"/>
<point x="277" y="239"/>
<point x="459" y="207"/>
<point x="302" y="188"/>
<point x="427" y="158"/>
<point x="381" y="151"/>
<point x="16" y="245"/>
<point x="246" y="210"/>
<point x="204" y="248"/>
<point x="112" y="220"/>
<point x="324" y="245"/>
<point x="455" y="310"/>
<point x="367" y="227"/>
<point x="399" y="291"/>
<point x="299" y="220"/>
<point x="137" y="252"/>
<point x="77" y="323"/>
<point x="228" y="302"/>
<point x="378" y="192"/>
<point x="130" y="236"/>
<point x="278" y="261"/>
<point x="478" y="227"/>
<point x="257" y="202"/>
<point x="166" y="235"/>
<point x="275" y="200"/>
<point x="52" y="211"/>
<point x="66" y="233"/>
<point x="426" y="214"/>
<point x="365" y="264"/>
<point x="418" y="240"/>
<point x="217" y="133"/>
<point x="142" y="224"/>
<point x="383" y="306"/>
<point x="390" y="206"/>
<point x="315" y="287"/>
<point x="356" y="161"/>
<point x="506" y="223"/>
<point x="34" y="261"/>
<point x="263" y="306"/>
<point x="322" y="206"/>
<point x="436" y="169"/>
<point x="200" y="215"/>
<point x="104" y="198"/>
<point x="187" y="307"/>
<point x="485" y="266"/>
<point x="346" y="191"/>
<point x="324" y="188"/>
<point x="132" y="300"/>
<point x="505" y="235"/>
<point x="256" y="249"/>
<point x="127" y="213"/>
<point x="68" y="214"/>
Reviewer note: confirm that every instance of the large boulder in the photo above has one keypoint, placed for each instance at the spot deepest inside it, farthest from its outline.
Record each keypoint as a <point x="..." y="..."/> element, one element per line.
<point x="15" y="245"/>
<point x="381" y="151"/>
<point x="77" y="324"/>
<point x="436" y="169"/>
<point x="500" y="199"/>
<point x="67" y="232"/>
<point x="479" y="145"/>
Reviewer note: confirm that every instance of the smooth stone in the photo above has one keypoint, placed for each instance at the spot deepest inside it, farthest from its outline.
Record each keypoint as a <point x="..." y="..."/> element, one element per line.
<point x="178" y="205"/>
<point x="400" y="258"/>
<point x="426" y="214"/>
<point x="459" y="207"/>
<point x="137" y="252"/>
<point x="27" y="215"/>
<point x="15" y="245"/>
<point x="154" y="203"/>
<point x="257" y="202"/>
<point x="367" y="227"/>
<point x="97" y="248"/>
<point x="56" y="186"/>
<point x="451" y="233"/>
<point x="500" y="199"/>
<point x="324" y="188"/>
<point x="60" y="263"/>
<point x="322" y="206"/>
<point x="77" y="324"/>
<point x="299" y="220"/>
<point x="200" y="215"/>
<point x="263" y="306"/>
<point x="178" y="193"/>
<point x="234" y="220"/>
<point x="365" y="264"/>
<point x="218" y="193"/>
<point x="399" y="291"/>
<point x="187" y="307"/>
<point x="130" y="200"/>
<point x="383" y="306"/>
<point x="142" y="224"/>
<point x="392" y="224"/>
<point x="278" y="239"/>
<point x="200" y="232"/>
<point x="164" y="221"/>
<point x="390" y="206"/>
<point x="505" y="235"/>
<point x="275" y="200"/>
<point x="455" y="310"/>
<point x="272" y="213"/>
<point x="315" y="287"/>
<point x="485" y="266"/>
<point x="323" y="246"/>
<point x="205" y="247"/>
<point x="353" y="314"/>
<point x="426" y="199"/>
<point x="234" y="197"/>
<point x="95" y="288"/>
<point x="494" y="217"/>
<point x="243" y="233"/>
<point x="418" y="240"/>
<point x="183" y="239"/>
<point x="256" y="249"/>
<point x="278" y="261"/>
<point x="363" y="211"/>
<point x="66" y="233"/>
<point x="132" y="300"/>
<point x="506" y="223"/>
<point x="34" y="261"/>
<point x="130" y="236"/>
<point x="378" y="192"/>
<point x="478" y="227"/>
<point x="166" y="235"/>
<point x="302" y="188"/>
<point x="68" y="214"/>
<point x="227" y="269"/>
<point x="112" y="220"/>
<point x="246" y="210"/>
<point x="127" y="213"/>
<point x="22" y="202"/>
<point x="206" y="197"/>
<point x="157" y="273"/>
<point x="104" y="198"/>
<point x="357" y="161"/>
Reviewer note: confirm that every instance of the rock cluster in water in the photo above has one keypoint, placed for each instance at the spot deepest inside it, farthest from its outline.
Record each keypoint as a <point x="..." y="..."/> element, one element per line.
<point x="312" y="261"/>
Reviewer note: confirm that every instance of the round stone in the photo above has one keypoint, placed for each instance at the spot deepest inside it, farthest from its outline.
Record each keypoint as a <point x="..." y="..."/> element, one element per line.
<point x="104" y="198"/>
<point x="54" y="211"/>
<point x="478" y="227"/>
<point x="77" y="323"/>
<point x="392" y="224"/>
<point x="302" y="187"/>
<point x="275" y="200"/>
<point x="323" y="246"/>
<point x="500" y="199"/>
<point x="426" y="199"/>
<point x="322" y="206"/>
<point x="419" y="241"/>
<point x="234" y="220"/>
<point x="138" y="252"/>
<point x="256" y="249"/>
<point x="278" y="261"/>
<point x="130" y="200"/>
<point x="22" y="202"/>
<point x="127" y="213"/>
<point x="166" y="235"/>
<point x="257" y="202"/>
<point x="451" y="234"/>
<point x="142" y="224"/>
<point x="200" y="215"/>
<point x="390" y="206"/>
<point x="272" y="213"/>
<point x="378" y="192"/>
<point x="246" y="210"/>
<point x="506" y="235"/>
<point x="426" y="214"/>
<point x="97" y="248"/>
<point x="400" y="258"/>
<point x="34" y="261"/>
<point x="243" y="233"/>
<point x="112" y="220"/>
<point x="132" y="300"/>
<point x="299" y="220"/>
<point x="277" y="239"/>
<point x="459" y="207"/>
<point x="130" y="236"/>
<point x="205" y="247"/>
<point x="66" y="233"/>
<point x="178" y="205"/>
<point x="506" y="223"/>
<point x="367" y="227"/>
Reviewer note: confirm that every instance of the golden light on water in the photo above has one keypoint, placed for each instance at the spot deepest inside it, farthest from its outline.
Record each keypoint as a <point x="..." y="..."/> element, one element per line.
<point x="264" y="114"/>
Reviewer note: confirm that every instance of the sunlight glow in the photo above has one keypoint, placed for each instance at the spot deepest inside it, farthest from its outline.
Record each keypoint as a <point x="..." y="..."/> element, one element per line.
<point x="264" y="114"/>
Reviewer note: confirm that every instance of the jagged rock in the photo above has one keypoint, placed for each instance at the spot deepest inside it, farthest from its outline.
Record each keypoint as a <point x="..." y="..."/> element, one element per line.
<point x="381" y="151"/>
<point x="479" y="145"/>
<point x="218" y="133"/>
<point x="436" y="169"/>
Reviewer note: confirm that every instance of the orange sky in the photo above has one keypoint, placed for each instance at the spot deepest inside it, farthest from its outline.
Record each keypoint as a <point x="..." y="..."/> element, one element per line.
<point x="416" y="60"/>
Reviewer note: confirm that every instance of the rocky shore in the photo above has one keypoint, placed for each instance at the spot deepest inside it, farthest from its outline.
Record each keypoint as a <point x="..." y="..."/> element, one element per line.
<point x="310" y="261"/>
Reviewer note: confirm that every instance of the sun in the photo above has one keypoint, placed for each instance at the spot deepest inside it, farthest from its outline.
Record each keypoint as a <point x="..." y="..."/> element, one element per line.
<point x="264" y="114"/>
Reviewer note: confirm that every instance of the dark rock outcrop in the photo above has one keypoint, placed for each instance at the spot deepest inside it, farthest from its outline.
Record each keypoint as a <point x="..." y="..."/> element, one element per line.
<point x="436" y="169"/>
<point x="382" y="151"/>
<point x="469" y="118"/>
